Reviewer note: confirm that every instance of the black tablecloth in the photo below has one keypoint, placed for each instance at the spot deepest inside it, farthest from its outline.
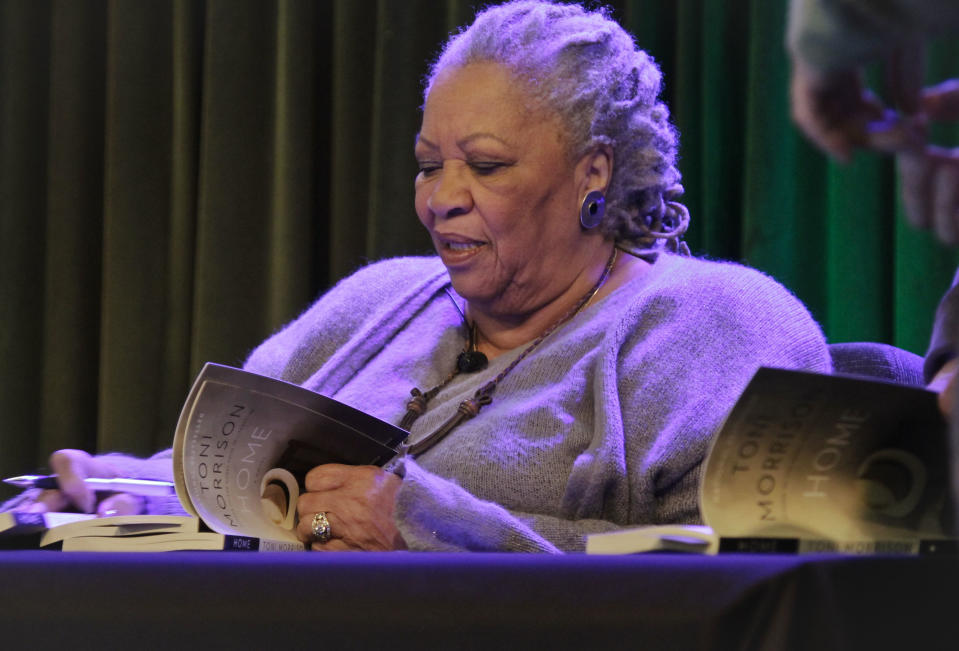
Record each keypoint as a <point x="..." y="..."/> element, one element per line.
<point x="407" y="600"/>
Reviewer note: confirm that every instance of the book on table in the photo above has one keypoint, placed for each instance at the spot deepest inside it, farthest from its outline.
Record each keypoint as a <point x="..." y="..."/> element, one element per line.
<point x="19" y="529"/>
<point x="242" y="447"/>
<point x="806" y="462"/>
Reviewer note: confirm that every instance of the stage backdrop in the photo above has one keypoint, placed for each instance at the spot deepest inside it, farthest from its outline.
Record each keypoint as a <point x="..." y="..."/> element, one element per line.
<point x="179" y="178"/>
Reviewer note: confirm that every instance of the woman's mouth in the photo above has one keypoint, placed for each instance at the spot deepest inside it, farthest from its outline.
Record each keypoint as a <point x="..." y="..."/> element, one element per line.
<point x="459" y="249"/>
<point x="462" y="246"/>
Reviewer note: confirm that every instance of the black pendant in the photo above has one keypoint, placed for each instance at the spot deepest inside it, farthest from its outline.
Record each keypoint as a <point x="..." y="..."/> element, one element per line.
<point x="470" y="361"/>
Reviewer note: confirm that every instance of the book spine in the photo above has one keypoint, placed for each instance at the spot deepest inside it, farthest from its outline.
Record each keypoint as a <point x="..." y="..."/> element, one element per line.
<point x="759" y="545"/>
<point x="249" y="544"/>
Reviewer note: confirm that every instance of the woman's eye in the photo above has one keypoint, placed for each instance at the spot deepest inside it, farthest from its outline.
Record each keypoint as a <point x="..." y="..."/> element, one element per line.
<point x="486" y="168"/>
<point x="427" y="167"/>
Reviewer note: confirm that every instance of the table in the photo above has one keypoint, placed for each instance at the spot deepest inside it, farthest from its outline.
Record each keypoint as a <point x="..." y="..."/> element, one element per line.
<point x="476" y="601"/>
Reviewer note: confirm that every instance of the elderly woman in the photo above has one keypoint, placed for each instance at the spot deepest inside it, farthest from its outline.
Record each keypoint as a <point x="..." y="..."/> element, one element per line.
<point x="562" y="364"/>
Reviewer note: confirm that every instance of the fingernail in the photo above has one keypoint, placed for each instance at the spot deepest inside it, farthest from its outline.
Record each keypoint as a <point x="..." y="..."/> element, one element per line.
<point x="110" y="512"/>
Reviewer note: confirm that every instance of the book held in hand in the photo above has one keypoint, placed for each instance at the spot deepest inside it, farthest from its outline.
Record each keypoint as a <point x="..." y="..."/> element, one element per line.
<point x="807" y="462"/>
<point x="242" y="447"/>
<point x="244" y="443"/>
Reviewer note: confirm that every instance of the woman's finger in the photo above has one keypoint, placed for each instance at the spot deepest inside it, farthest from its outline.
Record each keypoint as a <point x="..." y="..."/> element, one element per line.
<point x="335" y="545"/>
<point x="69" y="467"/>
<point x="329" y="476"/>
<point x="304" y="529"/>
<point x="121" y="504"/>
<point x="308" y="504"/>
<point x="48" y="500"/>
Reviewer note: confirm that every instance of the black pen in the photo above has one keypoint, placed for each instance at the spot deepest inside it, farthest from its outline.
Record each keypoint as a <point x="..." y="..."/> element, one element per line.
<point x="145" y="487"/>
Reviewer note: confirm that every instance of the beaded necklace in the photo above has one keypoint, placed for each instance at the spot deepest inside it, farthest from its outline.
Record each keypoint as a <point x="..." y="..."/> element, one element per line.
<point x="471" y="360"/>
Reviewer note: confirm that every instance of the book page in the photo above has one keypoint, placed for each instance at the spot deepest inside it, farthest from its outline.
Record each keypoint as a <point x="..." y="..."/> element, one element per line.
<point x="118" y="525"/>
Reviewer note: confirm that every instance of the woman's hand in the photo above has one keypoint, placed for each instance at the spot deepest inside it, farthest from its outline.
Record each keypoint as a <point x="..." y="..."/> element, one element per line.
<point x="71" y="467"/>
<point x="358" y="502"/>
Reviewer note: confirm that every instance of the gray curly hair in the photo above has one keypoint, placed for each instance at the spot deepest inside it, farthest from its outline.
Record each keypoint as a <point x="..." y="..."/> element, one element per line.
<point x="584" y="66"/>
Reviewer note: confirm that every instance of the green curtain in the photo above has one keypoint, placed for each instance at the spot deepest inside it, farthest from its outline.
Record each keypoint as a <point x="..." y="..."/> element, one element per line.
<point x="179" y="178"/>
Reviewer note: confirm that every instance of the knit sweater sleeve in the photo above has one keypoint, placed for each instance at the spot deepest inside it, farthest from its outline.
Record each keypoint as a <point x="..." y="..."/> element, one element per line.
<point x="669" y="371"/>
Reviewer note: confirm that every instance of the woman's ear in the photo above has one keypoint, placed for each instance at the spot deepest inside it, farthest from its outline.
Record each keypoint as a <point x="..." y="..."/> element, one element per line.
<point x="595" y="169"/>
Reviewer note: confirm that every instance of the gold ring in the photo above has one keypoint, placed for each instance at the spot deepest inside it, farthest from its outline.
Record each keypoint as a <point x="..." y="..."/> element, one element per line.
<point x="321" y="528"/>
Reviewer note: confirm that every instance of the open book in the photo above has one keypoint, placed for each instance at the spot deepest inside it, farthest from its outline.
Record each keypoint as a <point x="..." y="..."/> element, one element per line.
<point x="817" y="463"/>
<point x="244" y="443"/>
<point x="242" y="447"/>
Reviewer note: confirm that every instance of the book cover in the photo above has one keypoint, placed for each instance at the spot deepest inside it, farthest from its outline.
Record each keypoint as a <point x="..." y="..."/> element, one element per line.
<point x="807" y="462"/>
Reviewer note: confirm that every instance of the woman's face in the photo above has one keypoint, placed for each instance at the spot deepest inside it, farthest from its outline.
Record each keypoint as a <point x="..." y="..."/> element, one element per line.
<point x="498" y="192"/>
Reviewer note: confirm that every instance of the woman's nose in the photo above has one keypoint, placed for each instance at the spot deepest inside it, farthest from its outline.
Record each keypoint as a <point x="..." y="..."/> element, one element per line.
<point x="451" y="194"/>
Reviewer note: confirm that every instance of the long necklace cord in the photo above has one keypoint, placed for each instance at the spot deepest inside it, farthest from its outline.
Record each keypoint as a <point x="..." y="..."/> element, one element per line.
<point x="484" y="395"/>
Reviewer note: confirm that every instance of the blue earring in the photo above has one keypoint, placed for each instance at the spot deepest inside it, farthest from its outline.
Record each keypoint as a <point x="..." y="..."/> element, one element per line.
<point x="592" y="211"/>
